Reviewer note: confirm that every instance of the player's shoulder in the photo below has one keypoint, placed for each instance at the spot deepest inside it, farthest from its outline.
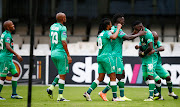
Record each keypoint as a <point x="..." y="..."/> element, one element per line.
<point x="6" y="34"/>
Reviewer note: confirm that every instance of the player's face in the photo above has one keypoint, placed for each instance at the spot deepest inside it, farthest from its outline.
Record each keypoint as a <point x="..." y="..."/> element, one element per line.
<point x="109" y="26"/>
<point x="11" y="26"/>
<point x="64" y="19"/>
<point x="155" y="39"/>
<point x="122" y="21"/>
<point x="138" y="27"/>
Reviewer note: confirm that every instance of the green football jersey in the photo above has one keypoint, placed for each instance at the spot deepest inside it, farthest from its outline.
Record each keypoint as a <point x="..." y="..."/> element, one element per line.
<point x="146" y="39"/>
<point x="104" y="43"/>
<point x="159" y="44"/>
<point x="58" y="33"/>
<point x="117" y="43"/>
<point x="6" y="38"/>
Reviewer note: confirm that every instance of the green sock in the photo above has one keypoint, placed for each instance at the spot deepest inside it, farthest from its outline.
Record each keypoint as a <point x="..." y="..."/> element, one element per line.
<point x="14" y="86"/>
<point x="114" y="88"/>
<point x="151" y="88"/>
<point x="158" y="87"/>
<point x="169" y="84"/>
<point x="108" y="87"/>
<point x="61" y="88"/>
<point x="121" y="88"/>
<point x="92" y="87"/>
<point x="55" y="81"/>
<point x="1" y="86"/>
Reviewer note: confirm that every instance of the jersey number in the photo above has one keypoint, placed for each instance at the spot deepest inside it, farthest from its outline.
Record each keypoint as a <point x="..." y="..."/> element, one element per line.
<point x="99" y="43"/>
<point x="1" y="44"/>
<point x="54" y="37"/>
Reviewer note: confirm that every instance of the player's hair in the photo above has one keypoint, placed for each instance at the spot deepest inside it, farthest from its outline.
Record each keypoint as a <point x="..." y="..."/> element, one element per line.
<point x="103" y="24"/>
<point x="136" y="23"/>
<point x="116" y="16"/>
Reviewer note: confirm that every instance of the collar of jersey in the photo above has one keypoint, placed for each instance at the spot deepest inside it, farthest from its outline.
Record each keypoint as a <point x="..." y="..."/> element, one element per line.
<point x="8" y="31"/>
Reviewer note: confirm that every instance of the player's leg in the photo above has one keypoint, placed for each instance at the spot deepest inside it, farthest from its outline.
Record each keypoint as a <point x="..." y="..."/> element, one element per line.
<point x="2" y="78"/>
<point x="14" y="84"/>
<point x="165" y="75"/>
<point x="63" y="69"/>
<point x="149" y="72"/>
<point x="51" y="88"/>
<point x="95" y="83"/>
<point x="3" y="74"/>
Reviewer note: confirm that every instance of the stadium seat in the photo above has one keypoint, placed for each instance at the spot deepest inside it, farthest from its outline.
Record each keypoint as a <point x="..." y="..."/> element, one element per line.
<point x="17" y="39"/>
<point x="38" y="30"/>
<point x="74" y="39"/>
<point x="26" y="47"/>
<point x="44" y="48"/>
<point x="26" y="39"/>
<point x="176" y="49"/>
<point x="167" y="51"/>
<point x="156" y="28"/>
<point x="21" y="29"/>
<point x="44" y="40"/>
<point x="79" y="29"/>
<point x="92" y="39"/>
<point x="94" y="30"/>
<point x="131" y="51"/>
<point x="169" y="33"/>
<point x="16" y="47"/>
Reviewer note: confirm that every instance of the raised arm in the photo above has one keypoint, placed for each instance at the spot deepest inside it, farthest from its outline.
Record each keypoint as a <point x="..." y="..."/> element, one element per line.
<point x="115" y="35"/>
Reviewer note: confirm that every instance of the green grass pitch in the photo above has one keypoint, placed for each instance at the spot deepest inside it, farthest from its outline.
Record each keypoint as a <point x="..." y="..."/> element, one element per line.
<point x="75" y="94"/>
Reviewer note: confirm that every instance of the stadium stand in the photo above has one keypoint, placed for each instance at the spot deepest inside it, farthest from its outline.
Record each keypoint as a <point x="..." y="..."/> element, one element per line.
<point x="176" y="50"/>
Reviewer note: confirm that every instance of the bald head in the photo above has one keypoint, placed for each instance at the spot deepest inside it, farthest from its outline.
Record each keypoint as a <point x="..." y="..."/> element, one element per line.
<point x="61" y="17"/>
<point x="155" y="35"/>
<point x="8" y="25"/>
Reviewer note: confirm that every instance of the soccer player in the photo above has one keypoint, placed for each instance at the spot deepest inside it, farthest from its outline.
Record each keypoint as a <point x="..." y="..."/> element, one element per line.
<point x="117" y="56"/>
<point x="105" y="59"/>
<point x="149" y="62"/>
<point x="6" y="56"/>
<point x="160" y="72"/>
<point x="59" y="53"/>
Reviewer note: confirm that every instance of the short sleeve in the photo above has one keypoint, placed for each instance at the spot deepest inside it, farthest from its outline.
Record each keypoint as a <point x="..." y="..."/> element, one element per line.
<point x="121" y="33"/>
<point x="159" y="44"/>
<point x="149" y="37"/>
<point x="108" y="34"/>
<point x="7" y="38"/>
<point x="63" y="33"/>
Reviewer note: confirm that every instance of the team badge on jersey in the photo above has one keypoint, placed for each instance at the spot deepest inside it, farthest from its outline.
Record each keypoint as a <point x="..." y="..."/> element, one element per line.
<point x="8" y="39"/>
<point x="64" y="33"/>
<point x="122" y="33"/>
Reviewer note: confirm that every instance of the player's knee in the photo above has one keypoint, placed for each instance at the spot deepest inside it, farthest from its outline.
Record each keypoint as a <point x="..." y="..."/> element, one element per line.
<point x="158" y="82"/>
<point x="2" y="78"/>
<point x="168" y="78"/>
<point x="118" y="76"/>
<point x="16" y="75"/>
<point x="150" y="77"/>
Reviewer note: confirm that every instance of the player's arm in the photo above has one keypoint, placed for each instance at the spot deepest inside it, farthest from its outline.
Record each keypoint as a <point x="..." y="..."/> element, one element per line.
<point x="66" y="50"/>
<point x="115" y="35"/>
<point x="63" y="40"/>
<point x="161" y="48"/>
<point x="134" y="35"/>
<point x="12" y="51"/>
<point x="150" y="47"/>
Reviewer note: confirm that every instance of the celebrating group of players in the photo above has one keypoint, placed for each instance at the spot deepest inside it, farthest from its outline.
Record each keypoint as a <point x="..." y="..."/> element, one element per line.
<point x="110" y="40"/>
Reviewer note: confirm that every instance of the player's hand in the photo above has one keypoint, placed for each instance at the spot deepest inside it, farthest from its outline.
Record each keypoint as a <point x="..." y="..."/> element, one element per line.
<point x="152" y="51"/>
<point x="19" y="58"/>
<point x="141" y="54"/>
<point x="119" y="26"/>
<point x="69" y="60"/>
<point x="141" y="33"/>
<point x="136" y="47"/>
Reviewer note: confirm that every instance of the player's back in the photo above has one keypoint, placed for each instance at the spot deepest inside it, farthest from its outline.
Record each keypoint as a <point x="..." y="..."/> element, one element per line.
<point x="6" y="38"/>
<point x="55" y="37"/>
<point x="104" y="44"/>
